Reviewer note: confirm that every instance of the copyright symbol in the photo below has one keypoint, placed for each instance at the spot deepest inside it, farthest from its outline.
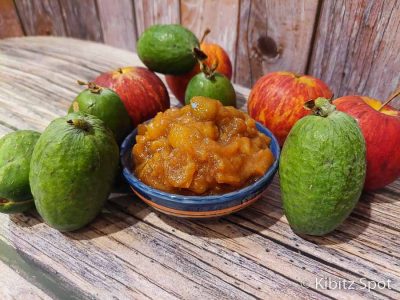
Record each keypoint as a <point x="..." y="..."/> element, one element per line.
<point x="304" y="284"/>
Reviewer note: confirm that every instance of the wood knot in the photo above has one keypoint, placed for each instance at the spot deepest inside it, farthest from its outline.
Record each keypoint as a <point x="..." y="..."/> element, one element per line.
<point x="268" y="47"/>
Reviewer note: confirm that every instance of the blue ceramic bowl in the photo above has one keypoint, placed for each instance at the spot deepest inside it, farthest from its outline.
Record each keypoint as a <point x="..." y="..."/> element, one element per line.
<point x="198" y="206"/>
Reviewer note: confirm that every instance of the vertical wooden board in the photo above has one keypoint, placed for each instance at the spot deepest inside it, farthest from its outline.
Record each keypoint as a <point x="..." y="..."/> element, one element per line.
<point x="274" y="35"/>
<point x="118" y="23"/>
<point x="221" y="17"/>
<point x="81" y="19"/>
<point x="41" y="17"/>
<point x="149" y="12"/>
<point x="356" y="50"/>
<point x="9" y="21"/>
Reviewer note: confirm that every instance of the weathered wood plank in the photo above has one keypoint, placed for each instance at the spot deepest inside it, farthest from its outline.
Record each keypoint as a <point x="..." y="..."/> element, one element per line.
<point x="41" y="17"/>
<point x="13" y="286"/>
<point x="231" y="233"/>
<point x="221" y="17"/>
<point x="150" y="12"/>
<point x="356" y="47"/>
<point x="81" y="19"/>
<point x="131" y="251"/>
<point x="118" y="23"/>
<point x="10" y="25"/>
<point x="351" y="247"/>
<point x="4" y="129"/>
<point x="273" y="36"/>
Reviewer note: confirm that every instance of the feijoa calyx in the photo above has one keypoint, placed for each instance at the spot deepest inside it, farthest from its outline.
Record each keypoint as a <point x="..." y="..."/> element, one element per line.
<point x="322" y="169"/>
<point x="15" y="157"/>
<point x="73" y="167"/>
<point x="168" y="49"/>
<point x="211" y="84"/>
<point x="106" y="105"/>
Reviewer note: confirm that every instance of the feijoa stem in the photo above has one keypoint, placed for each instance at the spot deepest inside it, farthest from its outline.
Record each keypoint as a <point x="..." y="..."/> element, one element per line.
<point x="395" y="94"/>
<point x="209" y="72"/>
<point x="321" y="106"/>
<point x="80" y="124"/>
<point x="199" y="55"/>
<point x="93" y="87"/>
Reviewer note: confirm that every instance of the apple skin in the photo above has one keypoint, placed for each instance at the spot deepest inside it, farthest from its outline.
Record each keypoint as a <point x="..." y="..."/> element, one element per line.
<point x="381" y="131"/>
<point x="141" y="91"/>
<point x="277" y="100"/>
<point x="216" y="55"/>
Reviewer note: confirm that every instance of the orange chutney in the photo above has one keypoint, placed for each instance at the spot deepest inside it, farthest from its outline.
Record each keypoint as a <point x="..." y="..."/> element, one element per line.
<point x="201" y="148"/>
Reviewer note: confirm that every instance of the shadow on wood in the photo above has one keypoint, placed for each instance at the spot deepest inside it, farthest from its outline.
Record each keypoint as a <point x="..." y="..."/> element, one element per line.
<point x="114" y="218"/>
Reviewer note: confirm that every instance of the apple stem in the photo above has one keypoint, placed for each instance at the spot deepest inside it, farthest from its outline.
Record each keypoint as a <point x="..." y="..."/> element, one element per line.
<point x="395" y="94"/>
<point x="206" y="32"/>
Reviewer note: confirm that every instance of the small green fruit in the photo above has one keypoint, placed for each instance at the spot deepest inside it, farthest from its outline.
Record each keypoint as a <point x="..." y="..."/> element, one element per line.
<point x="15" y="156"/>
<point x="322" y="169"/>
<point x="168" y="49"/>
<point x="106" y="105"/>
<point x="72" y="170"/>
<point x="215" y="86"/>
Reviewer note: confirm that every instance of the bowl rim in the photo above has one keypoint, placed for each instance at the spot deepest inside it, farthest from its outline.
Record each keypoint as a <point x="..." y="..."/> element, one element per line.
<point x="210" y="199"/>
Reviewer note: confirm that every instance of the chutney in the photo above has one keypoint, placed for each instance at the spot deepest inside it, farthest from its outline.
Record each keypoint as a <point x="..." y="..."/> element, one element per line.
<point x="202" y="148"/>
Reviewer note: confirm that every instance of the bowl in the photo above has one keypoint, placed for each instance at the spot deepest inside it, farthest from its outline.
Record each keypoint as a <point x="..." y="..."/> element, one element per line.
<point x="198" y="206"/>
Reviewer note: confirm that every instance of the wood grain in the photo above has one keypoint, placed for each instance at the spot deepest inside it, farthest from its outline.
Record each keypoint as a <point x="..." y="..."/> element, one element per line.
<point x="150" y="12"/>
<point x="273" y="36"/>
<point x="81" y="19"/>
<point x="221" y="17"/>
<point x="356" y="47"/>
<point x="41" y="17"/>
<point x="118" y="23"/>
<point x="10" y="25"/>
<point x="132" y="252"/>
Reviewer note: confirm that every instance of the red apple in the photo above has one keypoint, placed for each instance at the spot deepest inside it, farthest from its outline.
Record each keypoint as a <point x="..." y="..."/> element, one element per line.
<point x="381" y="130"/>
<point x="143" y="93"/>
<point x="277" y="100"/>
<point x="215" y="55"/>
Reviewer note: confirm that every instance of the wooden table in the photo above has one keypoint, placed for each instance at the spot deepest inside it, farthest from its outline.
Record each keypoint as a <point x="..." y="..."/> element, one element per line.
<point x="132" y="252"/>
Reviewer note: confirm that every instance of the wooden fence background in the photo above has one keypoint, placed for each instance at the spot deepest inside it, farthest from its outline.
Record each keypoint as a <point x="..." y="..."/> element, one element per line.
<point x="353" y="45"/>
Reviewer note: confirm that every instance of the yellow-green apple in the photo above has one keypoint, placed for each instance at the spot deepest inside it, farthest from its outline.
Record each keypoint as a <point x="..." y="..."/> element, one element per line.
<point x="216" y="55"/>
<point x="380" y="125"/>
<point x="277" y="100"/>
<point x="141" y="91"/>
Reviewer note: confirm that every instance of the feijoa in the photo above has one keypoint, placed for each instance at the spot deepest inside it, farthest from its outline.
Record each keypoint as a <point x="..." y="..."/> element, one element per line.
<point x="322" y="169"/>
<point x="168" y="49"/>
<point x="15" y="156"/>
<point x="106" y="105"/>
<point x="211" y="84"/>
<point x="73" y="167"/>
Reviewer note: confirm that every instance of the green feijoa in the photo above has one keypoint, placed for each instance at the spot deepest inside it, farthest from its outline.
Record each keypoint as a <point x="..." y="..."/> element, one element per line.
<point x="106" y="105"/>
<point x="322" y="169"/>
<point x="73" y="167"/>
<point x="168" y="49"/>
<point x="15" y="156"/>
<point x="212" y="85"/>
